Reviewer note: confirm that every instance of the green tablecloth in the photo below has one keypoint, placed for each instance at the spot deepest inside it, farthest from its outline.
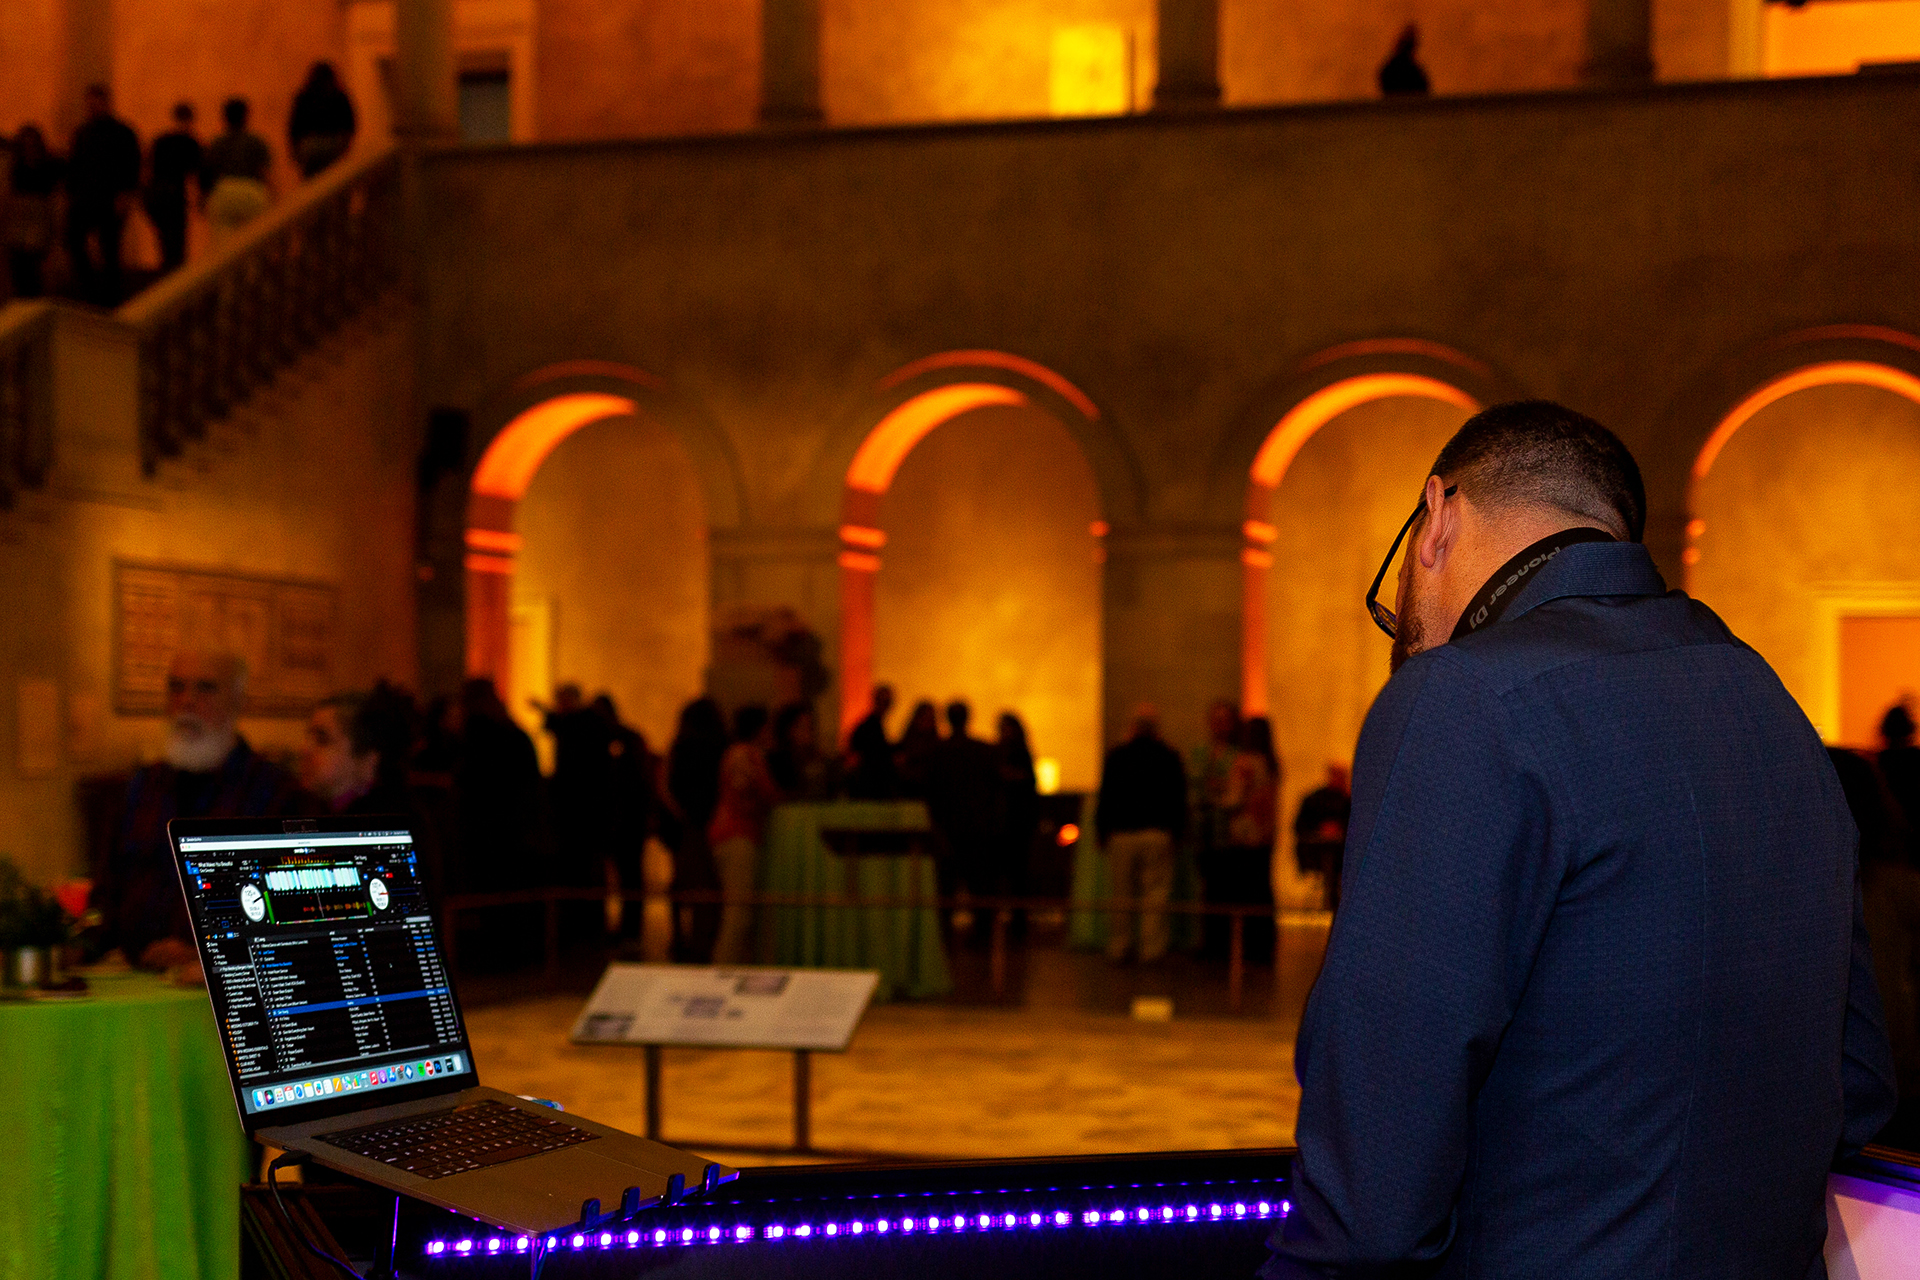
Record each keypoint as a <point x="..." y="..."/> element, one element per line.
<point x="903" y="943"/>
<point x="124" y="1153"/>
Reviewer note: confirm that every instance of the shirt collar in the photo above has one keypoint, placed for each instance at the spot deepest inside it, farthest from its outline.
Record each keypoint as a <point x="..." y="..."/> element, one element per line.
<point x="1592" y="569"/>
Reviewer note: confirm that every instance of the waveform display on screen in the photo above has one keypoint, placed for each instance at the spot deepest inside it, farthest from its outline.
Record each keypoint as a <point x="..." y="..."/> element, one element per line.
<point x="314" y="878"/>
<point x="310" y="893"/>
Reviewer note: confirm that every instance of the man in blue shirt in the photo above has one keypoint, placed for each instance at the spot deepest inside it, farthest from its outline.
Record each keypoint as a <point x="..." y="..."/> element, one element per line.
<point x="1598" y="1002"/>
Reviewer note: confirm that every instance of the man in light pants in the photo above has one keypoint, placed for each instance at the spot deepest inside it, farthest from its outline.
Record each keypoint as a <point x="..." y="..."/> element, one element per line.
<point x="1141" y="816"/>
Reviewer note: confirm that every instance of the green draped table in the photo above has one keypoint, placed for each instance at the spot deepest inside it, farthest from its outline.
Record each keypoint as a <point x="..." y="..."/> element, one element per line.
<point x="124" y="1152"/>
<point x="903" y="943"/>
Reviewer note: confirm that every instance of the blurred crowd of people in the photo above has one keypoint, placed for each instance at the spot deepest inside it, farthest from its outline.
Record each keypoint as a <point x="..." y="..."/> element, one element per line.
<point x="79" y="201"/>
<point x="486" y="820"/>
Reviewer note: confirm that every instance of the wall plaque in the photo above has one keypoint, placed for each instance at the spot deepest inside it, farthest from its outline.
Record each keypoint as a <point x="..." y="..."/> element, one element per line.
<point x="284" y="628"/>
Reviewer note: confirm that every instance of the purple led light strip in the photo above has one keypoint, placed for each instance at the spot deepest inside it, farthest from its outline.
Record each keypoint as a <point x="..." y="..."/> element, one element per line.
<point x="662" y="1237"/>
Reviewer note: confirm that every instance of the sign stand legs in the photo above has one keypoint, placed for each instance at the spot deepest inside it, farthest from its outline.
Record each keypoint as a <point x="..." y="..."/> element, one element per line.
<point x="653" y="1092"/>
<point x="802" y="1101"/>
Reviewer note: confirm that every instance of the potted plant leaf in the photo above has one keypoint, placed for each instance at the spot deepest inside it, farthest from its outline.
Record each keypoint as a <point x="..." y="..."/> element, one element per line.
<point x="34" y="927"/>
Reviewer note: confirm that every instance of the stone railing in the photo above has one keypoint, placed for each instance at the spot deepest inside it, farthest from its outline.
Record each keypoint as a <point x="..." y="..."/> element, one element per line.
<point x="26" y="398"/>
<point x="219" y="329"/>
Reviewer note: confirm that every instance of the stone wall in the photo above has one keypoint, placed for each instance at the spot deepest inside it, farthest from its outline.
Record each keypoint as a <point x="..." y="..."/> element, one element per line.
<point x="1195" y="278"/>
<point x="312" y="481"/>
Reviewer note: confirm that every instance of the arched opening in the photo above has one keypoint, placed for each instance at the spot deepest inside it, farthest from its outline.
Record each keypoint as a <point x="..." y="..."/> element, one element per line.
<point x="990" y="531"/>
<point x="1330" y="487"/>
<point x="587" y="560"/>
<point x="1802" y="537"/>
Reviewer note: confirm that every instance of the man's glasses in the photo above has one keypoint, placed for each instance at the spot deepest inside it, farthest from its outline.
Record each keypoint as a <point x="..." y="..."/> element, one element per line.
<point x="1383" y="617"/>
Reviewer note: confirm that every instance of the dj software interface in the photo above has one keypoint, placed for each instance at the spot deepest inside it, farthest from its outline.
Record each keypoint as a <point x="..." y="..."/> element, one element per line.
<point x="323" y="965"/>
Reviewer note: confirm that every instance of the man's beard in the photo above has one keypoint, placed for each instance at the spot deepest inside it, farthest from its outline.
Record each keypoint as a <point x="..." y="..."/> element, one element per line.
<point x="1409" y="637"/>
<point x="194" y="746"/>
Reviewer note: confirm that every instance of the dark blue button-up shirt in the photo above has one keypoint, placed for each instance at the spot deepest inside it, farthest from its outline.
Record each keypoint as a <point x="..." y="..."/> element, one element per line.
<point x="1597" y="1002"/>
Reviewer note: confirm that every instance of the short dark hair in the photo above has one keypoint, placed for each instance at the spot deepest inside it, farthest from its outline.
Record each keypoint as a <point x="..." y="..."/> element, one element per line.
<point x="958" y="714"/>
<point x="748" y="721"/>
<point x="1536" y="452"/>
<point x="234" y="112"/>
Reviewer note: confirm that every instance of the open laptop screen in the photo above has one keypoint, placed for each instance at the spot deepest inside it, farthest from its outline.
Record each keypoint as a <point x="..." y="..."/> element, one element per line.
<point x="324" y="968"/>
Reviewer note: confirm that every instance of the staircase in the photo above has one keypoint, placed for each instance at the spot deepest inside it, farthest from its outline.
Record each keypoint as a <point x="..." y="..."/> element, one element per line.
<point x="191" y="350"/>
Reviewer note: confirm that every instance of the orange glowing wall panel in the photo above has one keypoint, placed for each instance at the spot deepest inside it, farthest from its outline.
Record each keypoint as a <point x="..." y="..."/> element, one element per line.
<point x="890" y="442"/>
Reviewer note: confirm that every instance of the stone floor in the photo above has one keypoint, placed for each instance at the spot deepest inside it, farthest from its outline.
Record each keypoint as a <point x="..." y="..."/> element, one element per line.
<point x="1053" y="1066"/>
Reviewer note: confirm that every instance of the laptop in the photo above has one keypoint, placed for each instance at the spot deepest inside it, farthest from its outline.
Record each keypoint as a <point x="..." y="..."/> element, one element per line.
<point x="344" y="1039"/>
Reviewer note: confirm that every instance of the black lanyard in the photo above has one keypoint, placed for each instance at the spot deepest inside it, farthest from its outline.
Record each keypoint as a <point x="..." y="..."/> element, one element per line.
<point x="1512" y="577"/>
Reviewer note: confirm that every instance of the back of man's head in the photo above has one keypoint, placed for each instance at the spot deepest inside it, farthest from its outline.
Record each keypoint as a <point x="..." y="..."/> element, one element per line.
<point x="1535" y="453"/>
<point x="959" y="714"/>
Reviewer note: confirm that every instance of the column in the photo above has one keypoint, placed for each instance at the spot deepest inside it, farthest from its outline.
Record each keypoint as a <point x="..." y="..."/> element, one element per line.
<point x="1189" y="55"/>
<point x="790" y="62"/>
<point x="86" y="58"/>
<point x="426" y="103"/>
<point x="793" y="567"/>
<point x="1173" y="626"/>
<point x="1619" y="43"/>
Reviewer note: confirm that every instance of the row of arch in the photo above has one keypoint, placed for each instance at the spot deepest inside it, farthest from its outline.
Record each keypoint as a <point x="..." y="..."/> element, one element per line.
<point x="912" y="402"/>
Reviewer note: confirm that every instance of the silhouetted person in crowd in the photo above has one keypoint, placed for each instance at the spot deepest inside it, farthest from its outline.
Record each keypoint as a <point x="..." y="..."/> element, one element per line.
<point x="630" y="805"/>
<point x="1320" y="831"/>
<point x="1899" y="762"/>
<point x="1019" y="813"/>
<point x="322" y="125"/>
<point x="33" y="176"/>
<point x="1209" y="774"/>
<point x="1890" y="898"/>
<point x="579" y="792"/>
<point x="235" y="178"/>
<point x="103" y="178"/>
<point x="963" y="799"/>
<point x="1401" y="75"/>
<point x="913" y="756"/>
<point x="870" y="772"/>
<point x="799" y="768"/>
<point x="175" y="159"/>
<point x="739" y="828"/>
<point x="693" y="793"/>
<point x="1239" y="872"/>
<point x="209" y="771"/>
<point x="1141" y="813"/>
<point x="497" y="796"/>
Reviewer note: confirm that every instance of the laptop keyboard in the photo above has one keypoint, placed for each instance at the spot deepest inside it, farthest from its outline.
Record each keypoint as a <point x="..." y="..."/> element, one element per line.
<point x="438" y="1144"/>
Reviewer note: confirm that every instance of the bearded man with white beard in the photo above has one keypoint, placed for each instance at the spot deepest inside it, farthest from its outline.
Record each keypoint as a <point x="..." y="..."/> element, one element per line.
<point x="209" y="771"/>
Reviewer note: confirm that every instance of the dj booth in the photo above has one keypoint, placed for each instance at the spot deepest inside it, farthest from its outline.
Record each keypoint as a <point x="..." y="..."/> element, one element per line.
<point x="1160" y="1215"/>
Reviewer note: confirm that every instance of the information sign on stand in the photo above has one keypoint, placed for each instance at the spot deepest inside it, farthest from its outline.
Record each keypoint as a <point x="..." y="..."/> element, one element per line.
<point x="655" y="1006"/>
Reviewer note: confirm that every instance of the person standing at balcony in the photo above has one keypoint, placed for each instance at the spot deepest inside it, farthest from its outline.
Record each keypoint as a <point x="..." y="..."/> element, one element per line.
<point x="235" y="177"/>
<point x="33" y="177"/>
<point x="1401" y="75"/>
<point x="175" y="158"/>
<point x="322" y="125"/>
<point x="103" y="178"/>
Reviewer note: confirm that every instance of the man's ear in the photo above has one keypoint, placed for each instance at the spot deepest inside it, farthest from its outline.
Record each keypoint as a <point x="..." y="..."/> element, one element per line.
<point x="1438" y="529"/>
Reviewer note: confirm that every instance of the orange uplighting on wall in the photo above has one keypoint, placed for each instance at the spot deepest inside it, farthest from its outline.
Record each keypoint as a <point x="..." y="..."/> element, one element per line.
<point x="1328" y="403"/>
<point x="888" y="445"/>
<point x="996" y="360"/>
<point x="859" y="561"/>
<point x="1825" y="374"/>
<point x="1270" y="465"/>
<point x="493" y="540"/>
<point x="859" y="535"/>
<point x="509" y="464"/>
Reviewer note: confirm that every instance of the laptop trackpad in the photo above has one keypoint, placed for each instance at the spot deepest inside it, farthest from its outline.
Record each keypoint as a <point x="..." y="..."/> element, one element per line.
<point x="545" y="1193"/>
